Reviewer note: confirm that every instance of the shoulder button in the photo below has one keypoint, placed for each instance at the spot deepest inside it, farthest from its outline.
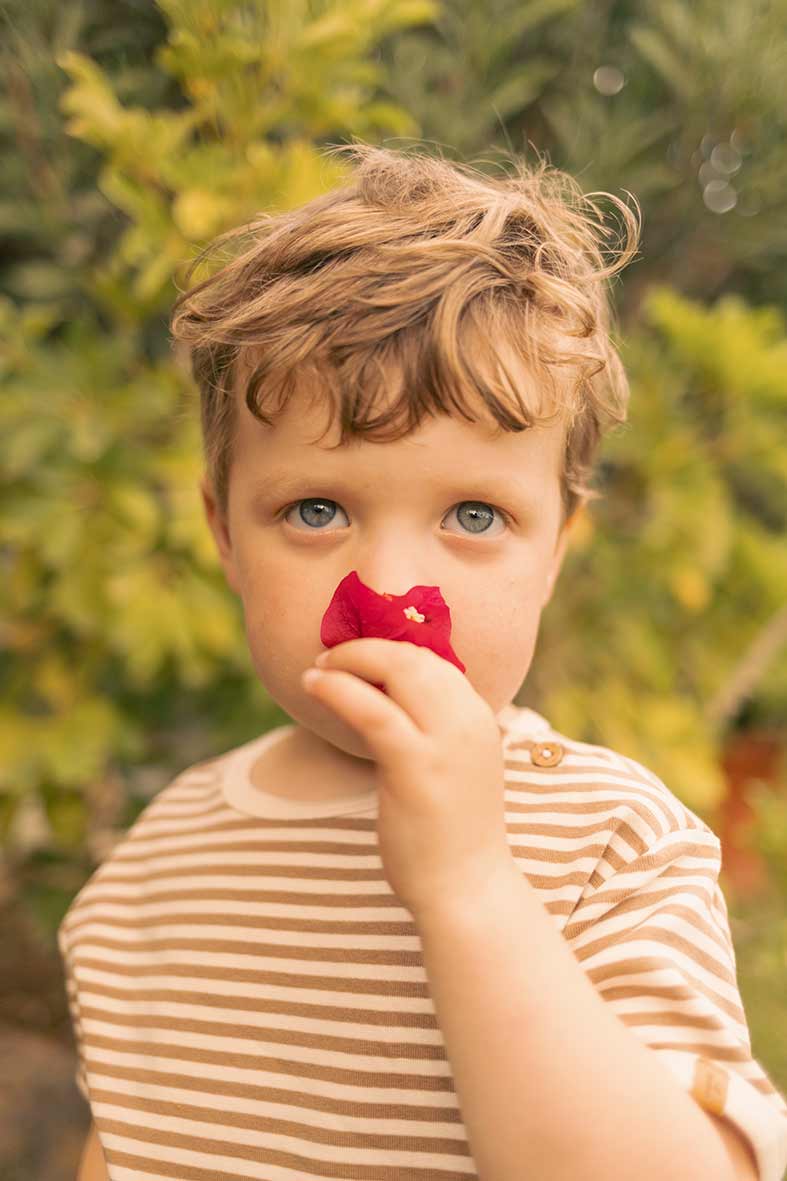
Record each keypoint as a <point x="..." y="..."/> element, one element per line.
<point x="546" y="754"/>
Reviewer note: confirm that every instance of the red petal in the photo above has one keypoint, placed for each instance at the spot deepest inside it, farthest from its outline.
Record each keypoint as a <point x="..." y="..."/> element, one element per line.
<point x="357" y="610"/>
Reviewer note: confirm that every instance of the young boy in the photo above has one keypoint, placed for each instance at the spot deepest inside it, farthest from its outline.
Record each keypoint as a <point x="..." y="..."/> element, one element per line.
<point x="416" y="933"/>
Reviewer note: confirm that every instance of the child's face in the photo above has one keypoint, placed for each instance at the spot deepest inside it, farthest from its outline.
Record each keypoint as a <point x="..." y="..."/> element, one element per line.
<point x="402" y="514"/>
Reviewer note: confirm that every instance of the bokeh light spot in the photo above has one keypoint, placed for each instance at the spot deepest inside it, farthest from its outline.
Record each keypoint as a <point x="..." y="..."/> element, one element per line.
<point x="609" y="80"/>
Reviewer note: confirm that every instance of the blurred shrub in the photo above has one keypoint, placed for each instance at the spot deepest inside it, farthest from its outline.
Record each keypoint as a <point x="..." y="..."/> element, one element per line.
<point x="681" y="568"/>
<point x="679" y="101"/>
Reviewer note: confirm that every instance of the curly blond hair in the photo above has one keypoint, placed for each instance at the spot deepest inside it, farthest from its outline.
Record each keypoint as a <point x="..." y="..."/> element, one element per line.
<point x="384" y="283"/>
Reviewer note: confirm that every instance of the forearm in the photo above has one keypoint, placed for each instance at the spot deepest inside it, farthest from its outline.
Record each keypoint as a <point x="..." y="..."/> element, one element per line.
<point x="551" y="1085"/>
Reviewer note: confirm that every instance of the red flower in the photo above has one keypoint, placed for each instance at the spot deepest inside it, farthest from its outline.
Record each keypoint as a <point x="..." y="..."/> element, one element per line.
<point x="420" y="616"/>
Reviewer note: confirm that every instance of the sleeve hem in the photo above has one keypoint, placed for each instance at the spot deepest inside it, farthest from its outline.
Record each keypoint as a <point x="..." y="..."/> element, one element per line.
<point x="726" y="1093"/>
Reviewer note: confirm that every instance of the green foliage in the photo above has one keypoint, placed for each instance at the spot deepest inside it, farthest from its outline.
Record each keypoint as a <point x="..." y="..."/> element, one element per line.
<point x="658" y="99"/>
<point x="759" y="930"/>
<point x="55" y="225"/>
<point x="264" y="82"/>
<point x="475" y="68"/>
<point x="682" y="564"/>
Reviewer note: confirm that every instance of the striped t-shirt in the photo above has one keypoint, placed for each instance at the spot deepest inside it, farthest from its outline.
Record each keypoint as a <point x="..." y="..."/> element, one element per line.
<point x="249" y="998"/>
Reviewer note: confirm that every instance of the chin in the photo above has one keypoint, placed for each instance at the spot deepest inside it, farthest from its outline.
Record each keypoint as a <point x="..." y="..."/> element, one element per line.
<point x="345" y="739"/>
<point x="324" y="726"/>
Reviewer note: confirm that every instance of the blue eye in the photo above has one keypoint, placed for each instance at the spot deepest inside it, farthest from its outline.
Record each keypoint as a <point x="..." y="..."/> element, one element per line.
<point x="324" y="510"/>
<point x="316" y="511"/>
<point x="479" y="514"/>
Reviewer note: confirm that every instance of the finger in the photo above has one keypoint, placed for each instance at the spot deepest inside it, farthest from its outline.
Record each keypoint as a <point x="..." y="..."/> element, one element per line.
<point x="430" y="690"/>
<point x="387" y="728"/>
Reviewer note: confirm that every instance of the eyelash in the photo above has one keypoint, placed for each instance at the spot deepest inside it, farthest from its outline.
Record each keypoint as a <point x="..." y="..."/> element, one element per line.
<point x="283" y="512"/>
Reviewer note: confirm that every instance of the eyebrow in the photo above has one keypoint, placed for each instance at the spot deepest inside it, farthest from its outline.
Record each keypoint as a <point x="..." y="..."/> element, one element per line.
<point x="282" y="482"/>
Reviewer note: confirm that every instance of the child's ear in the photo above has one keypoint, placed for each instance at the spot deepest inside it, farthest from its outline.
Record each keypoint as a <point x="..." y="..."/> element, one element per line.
<point x="221" y="535"/>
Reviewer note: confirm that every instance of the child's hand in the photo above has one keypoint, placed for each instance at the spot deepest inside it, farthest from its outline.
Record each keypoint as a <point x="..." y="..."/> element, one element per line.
<point x="439" y="767"/>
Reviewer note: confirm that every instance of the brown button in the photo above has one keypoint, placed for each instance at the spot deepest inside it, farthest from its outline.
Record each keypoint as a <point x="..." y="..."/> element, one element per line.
<point x="546" y="754"/>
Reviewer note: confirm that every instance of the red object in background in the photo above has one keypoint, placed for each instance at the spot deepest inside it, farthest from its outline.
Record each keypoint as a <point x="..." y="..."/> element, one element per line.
<point x="421" y="617"/>
<point x="748" y="755"/>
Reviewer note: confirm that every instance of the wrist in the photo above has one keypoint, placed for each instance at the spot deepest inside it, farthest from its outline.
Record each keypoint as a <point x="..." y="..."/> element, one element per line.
<point x="478" y="895"/>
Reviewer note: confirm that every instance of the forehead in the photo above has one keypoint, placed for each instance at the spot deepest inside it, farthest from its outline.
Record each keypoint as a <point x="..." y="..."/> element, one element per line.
<point x="304" y="439"/>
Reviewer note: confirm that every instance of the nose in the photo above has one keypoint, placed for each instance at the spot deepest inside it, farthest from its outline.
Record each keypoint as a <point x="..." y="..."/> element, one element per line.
<point x="391" y="565"/>
<point x="395" y="587"/>
<point x="390" y="582"/>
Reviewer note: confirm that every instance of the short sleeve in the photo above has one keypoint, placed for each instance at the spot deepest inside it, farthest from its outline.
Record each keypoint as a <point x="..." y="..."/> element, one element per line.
<point x="654" y="939"/>
<point x="76" y="1023"/>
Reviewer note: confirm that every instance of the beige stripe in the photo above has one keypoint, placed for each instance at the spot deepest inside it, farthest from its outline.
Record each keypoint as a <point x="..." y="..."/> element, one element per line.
<point x="252" y="922"/>
<point x="725" y="1053"/>
<point x="160" y="819"/>
<point x="641" y="902"/>
<point x="142" y="850"/>
<point x="708" y="1049"/>
<point x="403" y="989"/>
<point x="331" y="873"/>
<point x="677" y="992"/>
<point x="175" y="801"/>
<point x="147" y="845"/>
<point x="351" y="1076"/>
<point x="559" y="795"/>
<point x="669" y="871"/>
<point x="252" y="870"/>
<point x="657" y="935"/>
<point x="220" y="894"/>
<point x="691" y="918"/>
<point x="258" y="845"/>
<point x="230" y="1027"/>
<point x="304" y="1167"/>
<point x="348" y="900"/>
<point x="642" y="964"/>
<point x="675" y="1018"/>
<point x="302" y="872"/>
<point x="248" y="948"/>
<point x="609" y="892"/>
<point x="423" y="1085"/>
<point x="333" y="1136"/>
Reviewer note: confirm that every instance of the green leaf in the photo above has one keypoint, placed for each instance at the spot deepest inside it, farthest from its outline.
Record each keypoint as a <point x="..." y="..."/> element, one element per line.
<point x="654" y="49"/>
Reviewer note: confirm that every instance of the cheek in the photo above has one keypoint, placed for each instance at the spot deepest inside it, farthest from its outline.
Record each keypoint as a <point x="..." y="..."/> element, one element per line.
<point x="276" y="604"/>
<point x="499" y="628"/>
<point x="498" y="651"/>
